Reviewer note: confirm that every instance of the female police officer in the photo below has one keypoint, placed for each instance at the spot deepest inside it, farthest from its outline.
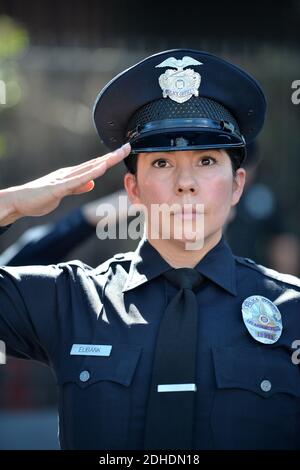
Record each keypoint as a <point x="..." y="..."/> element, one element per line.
<point x="164" y="347"/>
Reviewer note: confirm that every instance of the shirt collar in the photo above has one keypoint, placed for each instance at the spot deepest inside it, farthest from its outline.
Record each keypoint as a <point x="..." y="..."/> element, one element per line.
<point x="218" y="265"/>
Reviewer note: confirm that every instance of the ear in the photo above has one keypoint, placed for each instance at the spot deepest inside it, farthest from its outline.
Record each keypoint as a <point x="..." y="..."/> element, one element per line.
<point x="132" y="188"/>
<point x="238" y="185"/>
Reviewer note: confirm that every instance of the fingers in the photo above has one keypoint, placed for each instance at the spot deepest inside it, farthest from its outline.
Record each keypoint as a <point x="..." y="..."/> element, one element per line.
<point x="79" y="179"/>
<point x="118" y="155"/>
<point x="77" y="182"/>
<point x="74" y="183"/>
<point x="111" y="158"/>
<point x="92" y="171"/>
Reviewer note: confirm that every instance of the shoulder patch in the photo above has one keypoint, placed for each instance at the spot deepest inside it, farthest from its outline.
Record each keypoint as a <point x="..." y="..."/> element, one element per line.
<point x="271" y="273"/>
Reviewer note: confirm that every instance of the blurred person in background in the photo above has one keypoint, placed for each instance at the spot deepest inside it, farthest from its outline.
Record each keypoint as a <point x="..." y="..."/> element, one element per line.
<point x="256" y="227"/>
<point x="51" y="243"/>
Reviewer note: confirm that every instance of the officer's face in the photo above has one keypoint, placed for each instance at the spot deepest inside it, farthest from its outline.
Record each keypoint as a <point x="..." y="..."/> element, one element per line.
<point x="187" y="177"/>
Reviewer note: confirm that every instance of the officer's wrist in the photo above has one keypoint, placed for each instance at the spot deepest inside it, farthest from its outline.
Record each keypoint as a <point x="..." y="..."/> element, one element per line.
<point x="8" y="212"/>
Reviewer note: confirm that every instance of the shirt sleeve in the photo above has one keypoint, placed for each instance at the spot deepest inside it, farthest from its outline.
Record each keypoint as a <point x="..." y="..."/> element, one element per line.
<point x="28" y="311"/>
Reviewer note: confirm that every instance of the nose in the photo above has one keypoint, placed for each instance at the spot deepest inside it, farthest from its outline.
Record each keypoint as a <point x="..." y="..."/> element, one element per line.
<point x="186" y="183"/>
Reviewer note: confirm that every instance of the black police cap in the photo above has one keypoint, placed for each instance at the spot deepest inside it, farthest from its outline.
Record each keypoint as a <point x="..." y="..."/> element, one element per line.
<point x="181" y="99"/>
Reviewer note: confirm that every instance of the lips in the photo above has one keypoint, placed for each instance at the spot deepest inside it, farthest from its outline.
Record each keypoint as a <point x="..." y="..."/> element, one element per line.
<point x="186" y="211"/>
<point x="189" y="211"/>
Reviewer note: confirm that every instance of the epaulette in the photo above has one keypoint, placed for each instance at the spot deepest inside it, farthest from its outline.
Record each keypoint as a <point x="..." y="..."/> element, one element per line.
<point x="117" y="258"/>
<point x="268" y="272"/>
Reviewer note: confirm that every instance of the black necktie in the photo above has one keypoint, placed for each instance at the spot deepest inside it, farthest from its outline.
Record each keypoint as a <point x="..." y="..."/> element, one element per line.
<point x="170" y="410"/>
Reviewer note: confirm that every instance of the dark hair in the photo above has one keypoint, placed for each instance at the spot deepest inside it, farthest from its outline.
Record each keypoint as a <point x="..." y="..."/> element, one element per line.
<point x="235" y="156"/>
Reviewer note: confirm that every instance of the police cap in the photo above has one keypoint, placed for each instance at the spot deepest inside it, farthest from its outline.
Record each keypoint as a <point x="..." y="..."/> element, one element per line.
<point x="181" y="99"/>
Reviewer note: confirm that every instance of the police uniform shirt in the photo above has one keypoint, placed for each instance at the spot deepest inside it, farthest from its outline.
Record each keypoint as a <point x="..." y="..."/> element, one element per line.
<point x="248" y="393"/>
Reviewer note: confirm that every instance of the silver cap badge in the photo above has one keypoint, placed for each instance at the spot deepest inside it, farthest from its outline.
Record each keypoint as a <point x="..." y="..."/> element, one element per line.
<point x="180" y="85"/>
<point x="262" y="319"/>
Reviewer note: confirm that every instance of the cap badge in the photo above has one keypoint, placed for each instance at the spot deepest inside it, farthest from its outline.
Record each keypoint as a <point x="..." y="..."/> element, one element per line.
<point x="262" y="319"/>
<point x="180" y="85"/>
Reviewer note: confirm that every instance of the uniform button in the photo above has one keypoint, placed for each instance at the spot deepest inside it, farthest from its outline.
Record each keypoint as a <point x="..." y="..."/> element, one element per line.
<point x="84" y="376"/>
<point x="266" y="385"/>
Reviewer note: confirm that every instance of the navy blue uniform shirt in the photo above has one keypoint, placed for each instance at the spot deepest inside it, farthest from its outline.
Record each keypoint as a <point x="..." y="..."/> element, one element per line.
<point x="45" y="310"/>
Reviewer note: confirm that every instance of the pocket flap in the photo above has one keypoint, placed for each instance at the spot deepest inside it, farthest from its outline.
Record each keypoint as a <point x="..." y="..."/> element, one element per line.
<point x="118" y="367"/>
<point x="263" y="371"/>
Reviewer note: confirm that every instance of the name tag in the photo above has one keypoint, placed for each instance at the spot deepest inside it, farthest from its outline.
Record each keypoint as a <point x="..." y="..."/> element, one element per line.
<point x="91" y="350"/>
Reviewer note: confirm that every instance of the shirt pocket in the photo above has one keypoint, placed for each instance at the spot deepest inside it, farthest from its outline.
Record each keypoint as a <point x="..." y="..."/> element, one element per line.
<point x="118" y="367"/>
<point x="95" y="398"/>
<point x="257" y="399"/>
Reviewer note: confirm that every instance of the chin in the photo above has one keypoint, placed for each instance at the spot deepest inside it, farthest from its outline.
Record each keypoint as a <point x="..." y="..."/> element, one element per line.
<point x="189" y="241"/>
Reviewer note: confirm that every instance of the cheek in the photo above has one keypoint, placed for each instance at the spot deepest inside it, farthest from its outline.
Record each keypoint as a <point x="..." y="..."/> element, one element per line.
<point x="219" y="194"/>
<point x="153" y="190"/>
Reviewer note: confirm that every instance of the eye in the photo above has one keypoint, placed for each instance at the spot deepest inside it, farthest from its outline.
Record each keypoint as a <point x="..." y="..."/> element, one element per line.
<point x="207" y="161"/>
<point x="160" y="163"/>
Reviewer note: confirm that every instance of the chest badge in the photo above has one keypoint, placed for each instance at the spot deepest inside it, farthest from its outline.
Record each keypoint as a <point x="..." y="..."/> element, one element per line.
<point x="179" y="85"/>
<point x="262" y="319"/>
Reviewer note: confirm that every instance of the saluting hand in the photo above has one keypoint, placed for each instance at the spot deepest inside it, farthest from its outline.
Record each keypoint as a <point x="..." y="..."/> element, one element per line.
<point x="43" y="195"/>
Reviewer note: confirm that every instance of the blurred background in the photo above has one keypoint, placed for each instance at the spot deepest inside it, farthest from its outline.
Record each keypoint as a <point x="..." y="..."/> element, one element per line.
<point x="54" y="58"/>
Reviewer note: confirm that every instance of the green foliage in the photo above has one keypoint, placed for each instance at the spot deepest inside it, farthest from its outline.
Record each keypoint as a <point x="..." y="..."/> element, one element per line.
<point x="14" y="38"/>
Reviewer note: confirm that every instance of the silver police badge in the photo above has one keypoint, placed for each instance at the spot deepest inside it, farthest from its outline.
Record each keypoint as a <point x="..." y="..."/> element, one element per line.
<point x="180" y="85"/>
<point x="262" y="319"/>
